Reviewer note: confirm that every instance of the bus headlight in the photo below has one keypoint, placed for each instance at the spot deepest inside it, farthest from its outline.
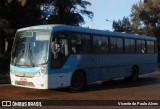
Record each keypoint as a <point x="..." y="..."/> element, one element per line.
<point x="37" y="74"/>
<point x="43" y="71"/>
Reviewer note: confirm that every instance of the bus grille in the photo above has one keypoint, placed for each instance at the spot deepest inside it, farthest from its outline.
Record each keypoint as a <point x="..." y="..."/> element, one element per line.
<point x="23" y="83"/>
<point x="24" y="75"/>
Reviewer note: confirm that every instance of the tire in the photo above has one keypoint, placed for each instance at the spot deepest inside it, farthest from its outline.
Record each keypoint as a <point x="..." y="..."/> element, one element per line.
<point x="134" y="73"/>
<point x="78" y="81"/>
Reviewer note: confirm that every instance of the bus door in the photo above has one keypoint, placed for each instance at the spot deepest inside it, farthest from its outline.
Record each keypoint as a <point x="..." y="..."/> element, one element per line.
<point x="60" y="50"/>
<point x="60" y="53"/>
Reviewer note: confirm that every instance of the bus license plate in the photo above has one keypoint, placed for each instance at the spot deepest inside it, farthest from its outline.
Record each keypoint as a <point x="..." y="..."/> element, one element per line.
<point x="23" y="79"/>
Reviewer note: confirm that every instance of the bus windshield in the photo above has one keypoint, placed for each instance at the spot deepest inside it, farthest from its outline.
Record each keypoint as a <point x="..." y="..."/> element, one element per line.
<point x="30" y="48"/>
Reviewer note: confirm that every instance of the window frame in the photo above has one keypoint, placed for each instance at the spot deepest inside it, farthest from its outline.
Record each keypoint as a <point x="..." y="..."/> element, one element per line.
<point x="153" y="46"/>
<point x="135" y="49"/>
<point x="101" y="36"/>
<point x="137" y="52"/>
<point x="66" y="58"/>
<point x="92" y="35"/>
<point x="74" y="32"/>
<point x="116" y="41"/>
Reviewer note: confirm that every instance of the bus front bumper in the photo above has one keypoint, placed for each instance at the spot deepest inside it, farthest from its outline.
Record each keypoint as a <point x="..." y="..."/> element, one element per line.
<point x="47" y="81"/>
<point x="40" y="82"/>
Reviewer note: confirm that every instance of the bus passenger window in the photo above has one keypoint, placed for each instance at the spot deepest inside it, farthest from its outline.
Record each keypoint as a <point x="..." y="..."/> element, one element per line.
<point x="116" y="45"/>
<point x="86" y="43"/>
<point x="150" y="47"/>
<point x="76" y="43"/>
<point x="60" y="48"/>
<point x="97" y="43"/>
<point x="104" y="46"/>
<point x="80" y="43"/>
<point x="100" y="44"/>
<point x="141" y="46"/>
<point x="130" y="46"/>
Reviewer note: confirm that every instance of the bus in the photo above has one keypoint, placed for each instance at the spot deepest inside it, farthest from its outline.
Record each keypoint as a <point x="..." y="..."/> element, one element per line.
<point x="58" y="56"/>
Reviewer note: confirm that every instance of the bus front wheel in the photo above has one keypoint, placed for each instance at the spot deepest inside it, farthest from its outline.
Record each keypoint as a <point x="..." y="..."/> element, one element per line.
<point x="78" y="81"/>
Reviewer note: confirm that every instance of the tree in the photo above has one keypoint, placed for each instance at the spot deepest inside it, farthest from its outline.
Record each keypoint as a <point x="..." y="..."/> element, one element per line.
<point x="146" y="17"/>
<point x="69" y="12"/>
<point x="123" y="25"/>
<point x="15" y="14"/>
<point x="21" y="13"/>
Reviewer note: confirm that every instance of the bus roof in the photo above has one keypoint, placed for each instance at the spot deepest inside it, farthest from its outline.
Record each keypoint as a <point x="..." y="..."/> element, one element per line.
<point x="57" y="27"/>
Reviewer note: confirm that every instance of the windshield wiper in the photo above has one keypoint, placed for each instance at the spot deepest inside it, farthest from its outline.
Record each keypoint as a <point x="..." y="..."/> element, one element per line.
<point x="30" y="56"/>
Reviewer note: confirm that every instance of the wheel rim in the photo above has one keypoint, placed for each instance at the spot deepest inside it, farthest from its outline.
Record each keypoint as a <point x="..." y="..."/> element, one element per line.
<point x="77" y="81"/>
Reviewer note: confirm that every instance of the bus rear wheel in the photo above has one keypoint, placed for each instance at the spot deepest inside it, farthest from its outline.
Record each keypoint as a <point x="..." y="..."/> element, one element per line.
<point x="78" y="81"/>
<point x="134" y="73"/>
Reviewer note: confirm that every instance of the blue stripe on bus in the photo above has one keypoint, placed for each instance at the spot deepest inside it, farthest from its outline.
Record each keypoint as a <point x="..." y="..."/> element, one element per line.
<point x="25" y="70"/>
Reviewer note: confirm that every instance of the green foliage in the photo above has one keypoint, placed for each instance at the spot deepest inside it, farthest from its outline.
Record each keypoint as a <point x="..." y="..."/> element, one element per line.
<point x="15" y="14"/>
<point x="146" y="17"/>
<point x="69" y="12"/>
<point x="145" y="20"/>
<point x="122" y="25"/>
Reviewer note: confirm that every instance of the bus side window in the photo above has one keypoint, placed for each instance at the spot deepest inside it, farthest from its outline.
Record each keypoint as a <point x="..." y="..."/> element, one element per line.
<point x="76" y="43"/>
<point x="97" y="43"/>
<point x="86" y="43"/>
<point x="80" y="43"/>
<point x="116" y="45"/>
<point x="130" y="46"/>
<point x="141" y="46"/>
<point x="150" y="47"/>
<point x="104" y="46"/>
<point x="60" y="46"/>
<point x="100" y="44"/>
<point x="60" y="49"/>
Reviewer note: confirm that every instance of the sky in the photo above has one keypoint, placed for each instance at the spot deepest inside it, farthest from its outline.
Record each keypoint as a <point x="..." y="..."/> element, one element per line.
<point x="108" y="9"/>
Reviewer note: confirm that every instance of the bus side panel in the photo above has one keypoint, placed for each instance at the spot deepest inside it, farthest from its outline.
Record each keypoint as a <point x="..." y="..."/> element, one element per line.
<point x="87" y="63"/>
<point x="148" y="63"/>
<point x="102" y="66"/>
<point x="120" y="65"/>
<point x="147" y="68"/>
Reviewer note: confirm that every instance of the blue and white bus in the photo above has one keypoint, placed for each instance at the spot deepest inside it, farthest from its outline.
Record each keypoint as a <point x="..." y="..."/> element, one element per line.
<point x="56" y="56"/>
